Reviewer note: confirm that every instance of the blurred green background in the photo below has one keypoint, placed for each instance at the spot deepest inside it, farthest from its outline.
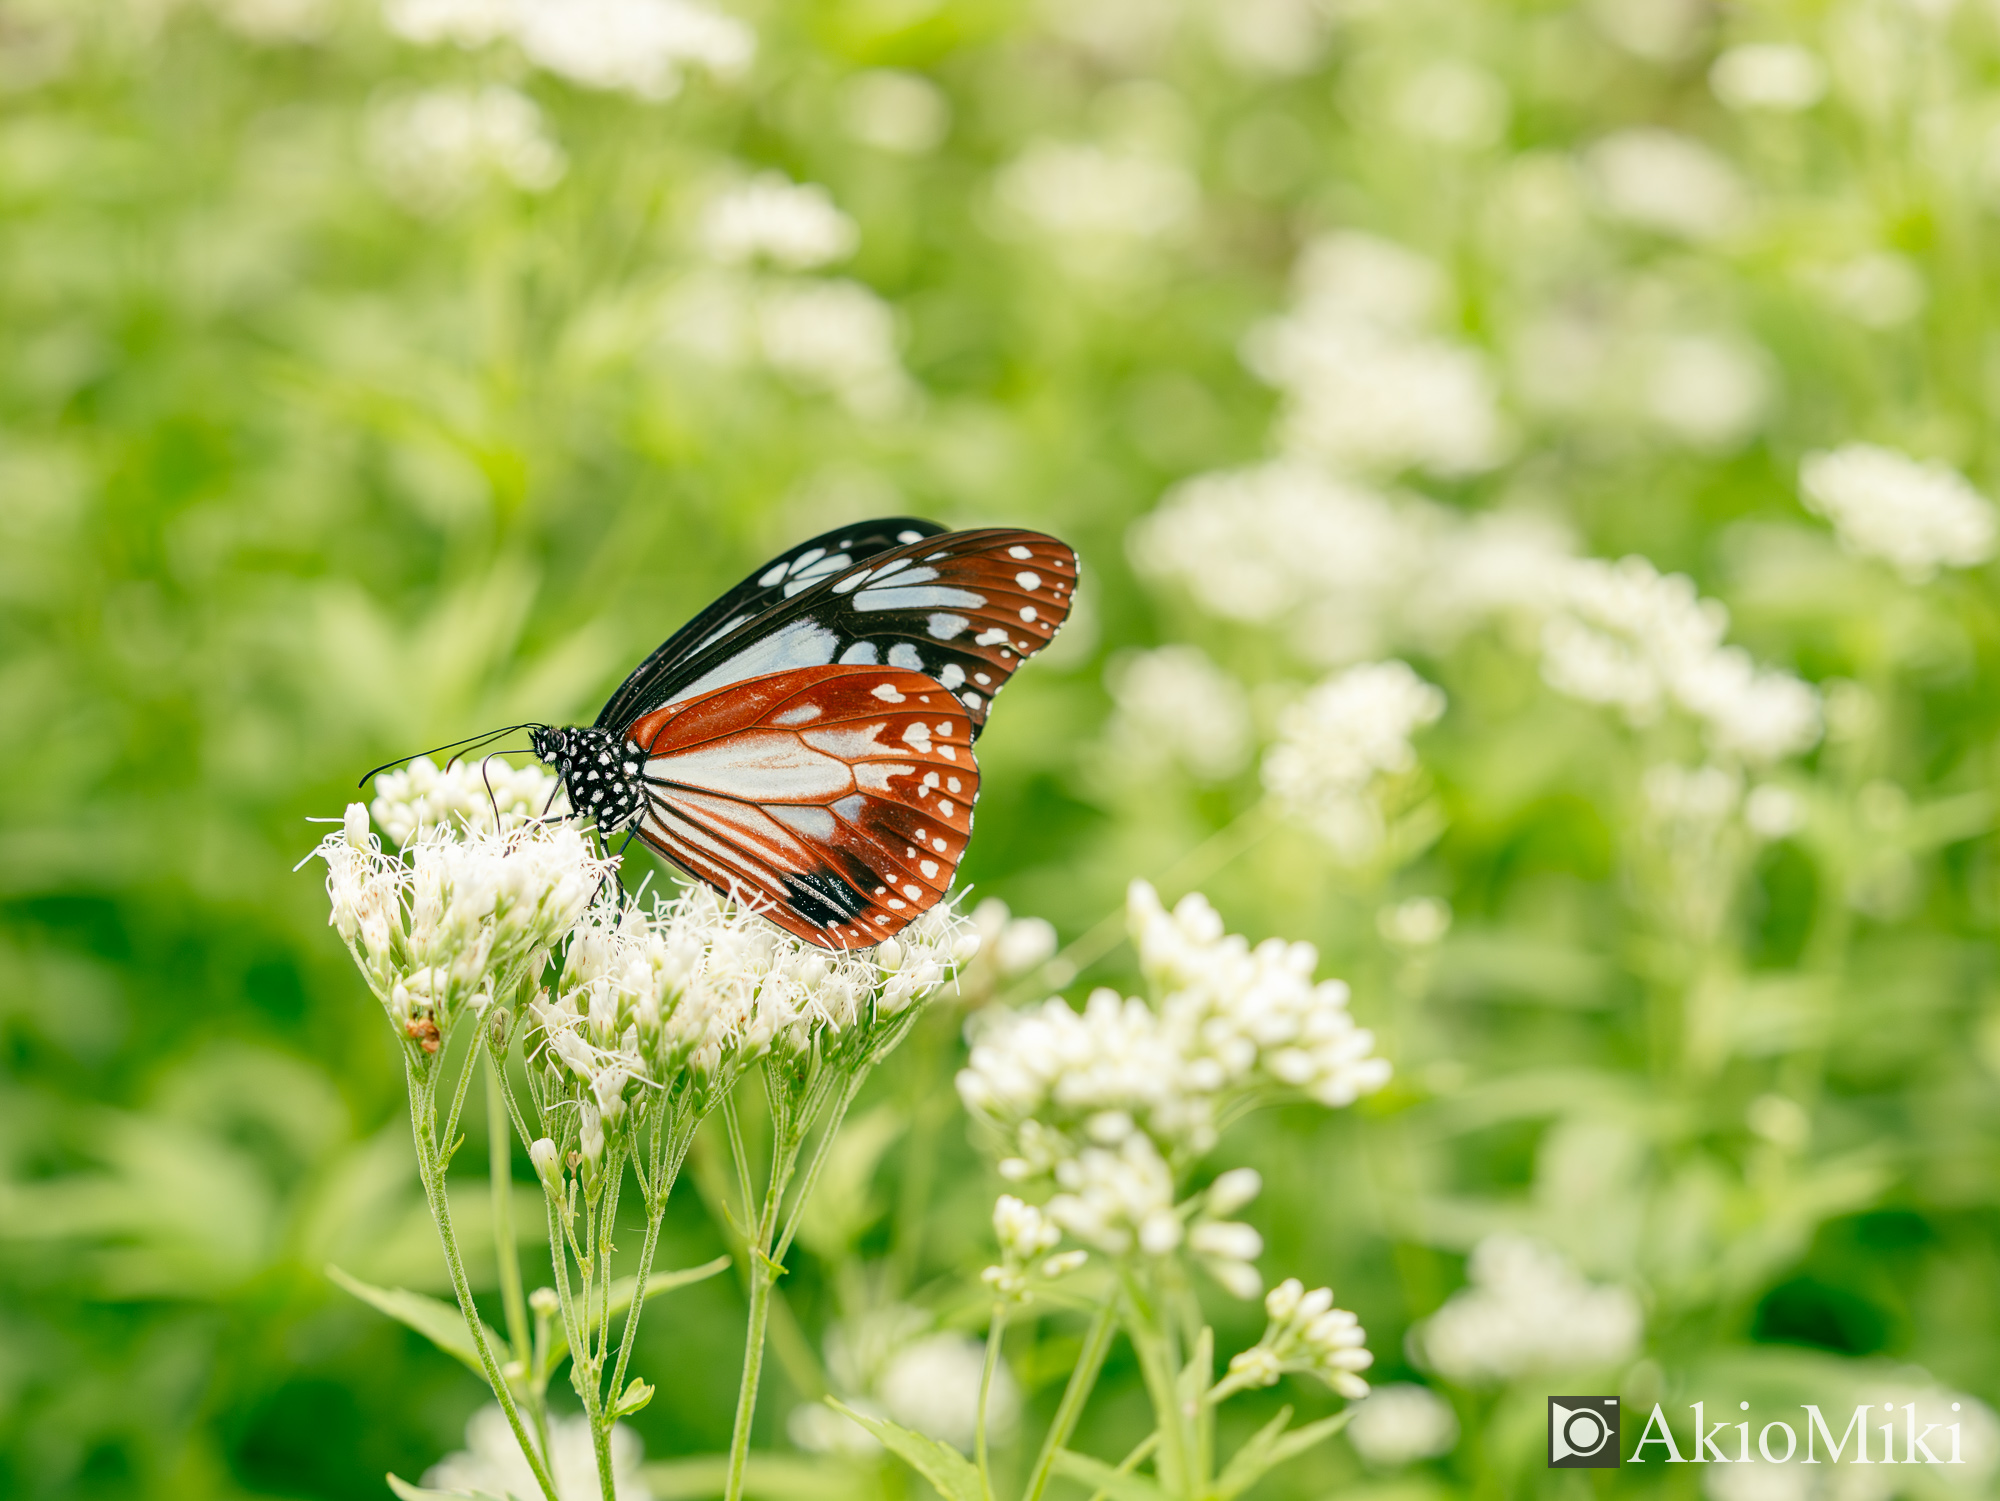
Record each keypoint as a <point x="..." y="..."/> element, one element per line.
<point x="373" y="376"/>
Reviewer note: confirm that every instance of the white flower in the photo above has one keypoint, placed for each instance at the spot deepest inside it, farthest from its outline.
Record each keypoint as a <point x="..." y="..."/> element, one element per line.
<point x="272" y="21"/>
<point x="1279" y="37"/>
<point x="1306" y="1332"/>
<point x="1629" y="636"/>
<point x="1174" y="704"/>
<point x="836" y="336"/>
<point x="1665" y="182"/>
<point x="1398" y="1424"/>
<point x="1419" y="923"/>
<point x="1082" y="192"/>
<point x="1709" y="392"/>
<point x="1454" y="104"/>
<point x="1351" y="277"/>
<point x="432" y="151"/>
<point x="1528" y="1310"/>
<point x="492" y="1462"/>
<point x="1917" y="517"/>
<point x="1776" y="76"/>
<point x="638" y="47"/>
<point x="1773" y="812"/>
<point x="896" y="111"/>
<point x="1878" y="290"/>
<point x="1233" y="1189"/>
<point x="464" y="795"/>
<point x="1338" y="744"/>
<point x="932" y="1385"/>
<point x="469" y="23"/>
<point x="770" y="217"/>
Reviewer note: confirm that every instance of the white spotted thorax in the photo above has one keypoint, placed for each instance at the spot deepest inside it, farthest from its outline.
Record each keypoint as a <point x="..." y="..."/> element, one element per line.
<point x="1112" y="1106"/>
<point x="602" y="774"/>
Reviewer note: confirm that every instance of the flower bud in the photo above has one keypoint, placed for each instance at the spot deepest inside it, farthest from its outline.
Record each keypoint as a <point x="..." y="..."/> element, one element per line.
<point x="1234" y="1189"/>
<point x="543" y="1155"/>
<point x="543" y="1299"/>
<point x="1282" y="1301"/>
<point x="355" y="825"/>
<point x="890" y="954"/>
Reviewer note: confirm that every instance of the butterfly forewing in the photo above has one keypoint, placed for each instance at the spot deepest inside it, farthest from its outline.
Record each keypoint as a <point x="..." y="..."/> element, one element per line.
<point x="790" y="573"/>
<point x="964" y="608"/>
<point x="834" y="799"/>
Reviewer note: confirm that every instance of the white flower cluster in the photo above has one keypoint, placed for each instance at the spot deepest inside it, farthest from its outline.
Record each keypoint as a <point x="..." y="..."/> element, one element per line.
<point x="1307" y="1333"/>
<point x="1776" y="76"/>
<point x="1026" y="1237"/>
<point x="1627" y="635"/>
<point x="1088" y="195"/>
<point x="1340" y="745"/>
<point x="1367" y="386"/>
<point x="1352" y="568"/>
<point x="699" y="987"/>
<point x="1528" y="1310"/>
<point x="1916" y="517"/>
<point x="432" y="151"/>
<point x="792" y="225"/>
<point x="1400" y="1424"/>
<point x="492" y="1464"/>
<point x="638" y="47"/>
<point x="457" y="919"/>
<point x="1115" y="1102"/>
<point x="1009" y="947"/>
<point x="1175" y="705"/>
<point x="1657" y="180"/>
<point x="894" y="1362"/>
<point x="464" y="795"/>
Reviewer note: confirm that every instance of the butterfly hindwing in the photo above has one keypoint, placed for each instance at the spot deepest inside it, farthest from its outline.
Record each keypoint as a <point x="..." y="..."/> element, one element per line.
<point x="836" y="800"/>
<point x="964" y="608"/>
<point x="790" y="573"/>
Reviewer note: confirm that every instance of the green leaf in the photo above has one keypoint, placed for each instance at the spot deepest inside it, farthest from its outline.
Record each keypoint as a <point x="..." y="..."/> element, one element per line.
<point x="437" y="1321"/>
<point x="1270" y="1448"/>
<point x="637" y="1395"/>
<point x="409" y="1492"/>
<point x="621" y="1299"/>
<point x="1120" y="1485"/>
<point x="954" y="1476"/>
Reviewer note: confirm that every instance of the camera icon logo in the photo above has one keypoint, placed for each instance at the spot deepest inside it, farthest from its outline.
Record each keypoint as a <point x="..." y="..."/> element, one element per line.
<point x="1583" y="1433"/>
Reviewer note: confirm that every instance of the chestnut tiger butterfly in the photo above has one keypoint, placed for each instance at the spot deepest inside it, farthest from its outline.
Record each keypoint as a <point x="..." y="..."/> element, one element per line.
<point x="804" y="744"/>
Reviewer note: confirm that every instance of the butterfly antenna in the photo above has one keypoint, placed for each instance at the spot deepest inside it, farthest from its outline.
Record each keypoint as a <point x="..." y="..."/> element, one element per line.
<point x="454" y="745"/>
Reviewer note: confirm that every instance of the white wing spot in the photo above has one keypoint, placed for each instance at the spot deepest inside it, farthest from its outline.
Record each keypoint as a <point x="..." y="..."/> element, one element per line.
<point x="945" y="807"/>
<point x="896" y="904"/>
<point x="981" y="679"/>
<point x="930" y="780"/>
<point x="904" y="655"/>
<point x="951" y="784"/>
<point x="971" y="701"/>
<point x="1020" y="554"/>
<point x="803" y="714"/>
<point x="944" y="728"/>
<point x="929" y="868"/>
<point x="913" y="891"/>
<point x="1028" y="614"/>
<point x="949" y="752"/>
<point x="1028" y="579"/>
<point x="993" y="637"/>
<point x="937" y="844"/>
<point x="918" y="737"/>
<point x="909" y="537"/>
<point x="771" y="575"/>
<point x="952" y="675"/>
<point x="944" y="626"/>
<point x="887" y="693"/>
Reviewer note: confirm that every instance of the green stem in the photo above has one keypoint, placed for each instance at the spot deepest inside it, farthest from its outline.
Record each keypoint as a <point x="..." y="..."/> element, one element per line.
<point x="1132" y="1460"/>
<point x="423" y="1104"/>
<point x="995" y="1335"/>
<point x="753" y="1366"/>
<point x="1090" y="1360"/>
<point x="500" y="1170"/>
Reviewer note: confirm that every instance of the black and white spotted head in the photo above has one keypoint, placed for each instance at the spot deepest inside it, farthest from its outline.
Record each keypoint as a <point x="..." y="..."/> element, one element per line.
<point x="602" y="773"/>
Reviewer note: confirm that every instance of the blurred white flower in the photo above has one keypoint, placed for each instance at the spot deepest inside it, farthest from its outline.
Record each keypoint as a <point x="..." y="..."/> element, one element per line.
<point x="1339" y="743"/>
<point x="1879" y="290"/>
<point x="433" y="151"/>
<point x="639" y="47"/>
<point x="1658" y="30"/>
<point x="1454" y="104"/>
<point x="836" y="336"/>
<point x="1709" y="392"/>
<point x="1665" y="182"/>
<point x="492" y="1463"/>
<point x="1366" y="386"/>
<point x="932" y="1385"/>
<point x="1081" y="192"/>
<point x="1174" y="704"/>
<point x="1774" y="812"/>
<point x="770" y="217"/>
<point x="1917" y="517"/>
<point x="275" y="21"/>
<point x="1418" y="923"/>
<point x="469" y="23"/>
<point x="1777" y="76"/>
<point x="1528" y="1310"/>
<point x="1401" y="1423"/>
<point x="1278" y="37"/>
<point x="1627" y="635"/>
<point x="1492" y="563"/>
<point x="1256" y="544"/>
<point x="895" y="111"/>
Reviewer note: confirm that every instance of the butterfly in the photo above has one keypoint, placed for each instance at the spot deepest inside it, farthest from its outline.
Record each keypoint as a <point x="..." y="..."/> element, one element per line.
<point x="804" y="744"/>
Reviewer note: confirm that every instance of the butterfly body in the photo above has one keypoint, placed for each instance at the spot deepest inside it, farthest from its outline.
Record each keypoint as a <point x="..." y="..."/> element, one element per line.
<point x="806" y="743"/>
